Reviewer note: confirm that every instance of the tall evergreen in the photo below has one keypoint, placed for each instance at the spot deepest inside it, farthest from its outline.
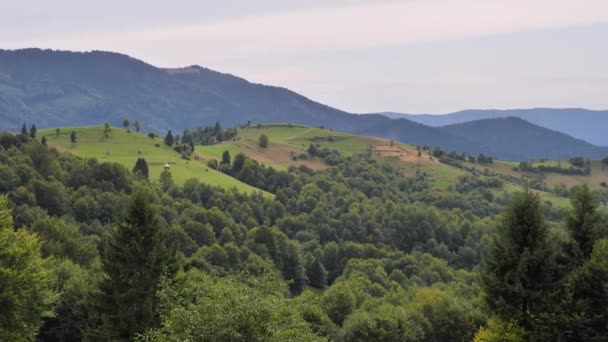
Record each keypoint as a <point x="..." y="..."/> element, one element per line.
<point x="73" y="137"/>
<point x="169" y="141"/>
<point x="584" y="223"/>
<point x="134" y="261"/>
<point x="585" y="287"/>
<point x="517" y="273"/>
<point x="226" y="158"/>
<point x="141" y="168"/>
<point x="33" y="131"/>
<point x="317" y="274"/>
<point x="24" y="129"/>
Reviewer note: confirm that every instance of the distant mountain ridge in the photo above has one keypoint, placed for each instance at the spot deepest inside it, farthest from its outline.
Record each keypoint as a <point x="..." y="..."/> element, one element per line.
<point x="62" y="88"/>
<point x="589" y="125"/>
<point x="520" y="139"/>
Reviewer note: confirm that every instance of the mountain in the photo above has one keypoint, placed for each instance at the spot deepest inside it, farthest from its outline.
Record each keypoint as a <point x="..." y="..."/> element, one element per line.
<point x="517" y="139"/>
<point x="585" y="124"/>
<point x="62" y="88"/>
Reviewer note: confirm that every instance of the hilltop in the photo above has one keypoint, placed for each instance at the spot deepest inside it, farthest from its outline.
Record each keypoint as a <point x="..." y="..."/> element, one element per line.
<point x="125" y="147"/>
<point x="62" y="88"/>
<point x="580" y="123"/>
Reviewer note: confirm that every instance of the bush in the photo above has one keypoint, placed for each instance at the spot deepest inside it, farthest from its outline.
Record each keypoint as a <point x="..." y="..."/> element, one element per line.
<point x="263" y="141"/>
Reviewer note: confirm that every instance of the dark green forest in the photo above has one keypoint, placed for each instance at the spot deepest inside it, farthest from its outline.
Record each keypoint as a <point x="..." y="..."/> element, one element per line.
<point x="358" y="252"/>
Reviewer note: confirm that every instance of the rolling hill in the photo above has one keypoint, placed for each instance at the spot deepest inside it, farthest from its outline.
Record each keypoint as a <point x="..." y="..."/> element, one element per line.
<point x="124" y="148"/>
<point x="61" y="88"/>
<point x="580" y="123"/>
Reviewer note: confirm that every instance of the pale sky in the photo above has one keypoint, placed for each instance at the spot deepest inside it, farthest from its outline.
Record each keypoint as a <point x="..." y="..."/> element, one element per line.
<point x="412" y="56"/>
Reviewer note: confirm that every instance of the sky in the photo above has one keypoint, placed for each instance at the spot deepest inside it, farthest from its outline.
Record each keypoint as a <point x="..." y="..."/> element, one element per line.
<point x="410" y="56"/>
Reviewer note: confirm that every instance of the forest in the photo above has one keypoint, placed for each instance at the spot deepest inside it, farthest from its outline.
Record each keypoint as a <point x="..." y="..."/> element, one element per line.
<point x="94" y="251"/>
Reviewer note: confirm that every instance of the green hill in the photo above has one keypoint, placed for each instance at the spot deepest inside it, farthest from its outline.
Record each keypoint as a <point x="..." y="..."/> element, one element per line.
<point x="125" y="148"/>
<point x="60" y="88"/>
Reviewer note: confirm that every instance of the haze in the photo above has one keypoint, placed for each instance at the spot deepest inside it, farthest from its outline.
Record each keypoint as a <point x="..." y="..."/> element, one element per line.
<point x="431" y="56"/>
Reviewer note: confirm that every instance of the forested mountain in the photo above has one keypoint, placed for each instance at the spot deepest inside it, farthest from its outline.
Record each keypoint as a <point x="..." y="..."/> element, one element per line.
<point x="517" y="139"/>
<point x="59" y="88"/>
<point x="588" y="125"/>
<point x="359" y="251"/>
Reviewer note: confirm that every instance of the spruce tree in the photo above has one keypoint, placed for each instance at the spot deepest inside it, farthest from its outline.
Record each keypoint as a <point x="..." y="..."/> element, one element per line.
<point x="169" y="139"/>
<point x="33" y="131"/>
<point x="24" y="129"/>
<point x="584" y="224"/>
<point x="517" y="273"/>
<point x="73" y="137"/>
<point x="226" y="158"/>
<point x="141" y="168"/>
<point x="317" y="274"/>
<point x="134" y="261"/>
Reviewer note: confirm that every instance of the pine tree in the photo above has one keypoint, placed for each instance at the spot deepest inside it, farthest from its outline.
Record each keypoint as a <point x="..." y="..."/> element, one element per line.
<point x="517" y="272"/>
<point x="24" y="129"/>
<point x="134" y="261"/>
<point x="33" y="131"/>
<point x="584" y="223"/>
<point x="169" y="139"/>
<point x="226" y="158"/>
<point x="317" y="274"/>
<point x="43" y="141"/>
<point x="141" y="168"/>
<point x="73" y="137"/>
<point x="217" y="127"/>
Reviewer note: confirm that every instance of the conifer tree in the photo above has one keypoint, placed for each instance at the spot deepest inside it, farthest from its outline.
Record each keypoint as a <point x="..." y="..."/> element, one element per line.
<point x="584" y="224"/>
<point x="141" y="168"/>
<point x="317" y="274"/>
<point x="517" y="272"/>
<point x="43" y="141"/>
<point x="73" y="137"/>
<point x="134" y="261"/>
<point x="24" y="129"/>
<point x="33" y="131"/>
<point x="226" y="158"/>
<point x="169" y="139"/>
<point x="137" y="126"/>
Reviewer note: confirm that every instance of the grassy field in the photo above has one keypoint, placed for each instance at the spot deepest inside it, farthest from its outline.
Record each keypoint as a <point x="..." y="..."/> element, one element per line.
<point x="125" y="148"/>
<point x="285" y="142"/>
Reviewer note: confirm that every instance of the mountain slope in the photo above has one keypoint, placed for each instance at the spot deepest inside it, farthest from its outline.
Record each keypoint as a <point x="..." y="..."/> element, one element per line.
<point x="55" y="88"/>
<point x="62" y="88"/>
<point x="585" y="124"/>
<point x="517" y="139"/>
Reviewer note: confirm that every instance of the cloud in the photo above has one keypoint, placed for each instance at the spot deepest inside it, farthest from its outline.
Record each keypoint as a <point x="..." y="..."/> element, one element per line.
<point x="353" y="27"/>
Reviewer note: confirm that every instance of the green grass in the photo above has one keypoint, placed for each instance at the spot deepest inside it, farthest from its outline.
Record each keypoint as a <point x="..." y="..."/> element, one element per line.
<point x="301" y="137"/>
<point x="124" y="148"/>
<point x="216" y="151"/>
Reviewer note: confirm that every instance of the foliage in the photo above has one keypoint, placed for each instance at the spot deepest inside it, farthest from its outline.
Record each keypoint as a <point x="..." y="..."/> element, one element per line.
<point x="25" y="281"/>
<point x="234" y="308"/>
<point x="134" y="261"/>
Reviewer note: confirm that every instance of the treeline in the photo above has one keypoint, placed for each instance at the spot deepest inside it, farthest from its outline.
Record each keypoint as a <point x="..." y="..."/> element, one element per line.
<point x="355" y="252"/>
<point x="208" y="135"/>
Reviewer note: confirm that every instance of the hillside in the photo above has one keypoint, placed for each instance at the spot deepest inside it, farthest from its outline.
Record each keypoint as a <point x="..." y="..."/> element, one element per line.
<point x="515" y="139"/>
<point x="124" y="148"/>
<point x="59" y="88"/>
<point x="580" y="123"/>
